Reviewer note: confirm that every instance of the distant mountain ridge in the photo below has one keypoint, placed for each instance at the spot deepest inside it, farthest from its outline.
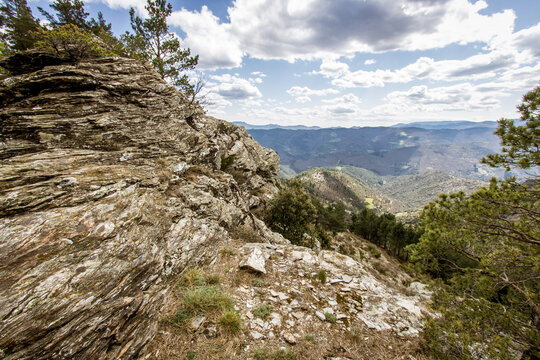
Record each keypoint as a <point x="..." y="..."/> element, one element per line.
<point x="274" y="126"/>
<point x="456" y="125"/>
<point x="386" y="150"/>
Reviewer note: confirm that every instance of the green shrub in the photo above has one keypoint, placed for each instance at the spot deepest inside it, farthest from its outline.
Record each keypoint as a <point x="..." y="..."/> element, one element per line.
<point x="321" y="275"/>
<point x="262" y="311"/>
<point x="231" y="322"/>
<point x="70" y="41"/>
<point x="226" y="162"/>
<point x="331" y="318"/>
<point x="374" y="251"/>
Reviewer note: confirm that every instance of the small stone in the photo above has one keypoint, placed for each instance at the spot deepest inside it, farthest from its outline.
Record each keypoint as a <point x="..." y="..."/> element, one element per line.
<point x="290" y="338"/>
<point x="294" y="304"/>
<point x="340" y="316"/>
<point x="274" y="293"/>
<point x="290" y="323"/>
<point x="347" y="278"/>
<point x="320" y="315"/>
<point x="335" y="281"/>
<point x="298" y="315"/>
<point x="256" y="335"/>
<point x="210" y="332"/>
<point x="282" y="296"/>
<point x="197" y="322"/>
<point x="276" y="319"/>
<point x="328" y="310"/>
<point x="332" y="302"/>
<point x="256" y="261"/>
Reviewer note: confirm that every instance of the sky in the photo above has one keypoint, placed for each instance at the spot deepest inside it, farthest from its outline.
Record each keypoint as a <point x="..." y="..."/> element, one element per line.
<point x="350" y="63"/>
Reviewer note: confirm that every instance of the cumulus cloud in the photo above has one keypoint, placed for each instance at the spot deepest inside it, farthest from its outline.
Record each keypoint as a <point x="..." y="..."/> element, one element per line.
<point x="475" y="67"/>
<point x="291" y="30"/>
<point x="232" y="87"/>
<point x="216" y="45"/>
<point x="369" y="62"/>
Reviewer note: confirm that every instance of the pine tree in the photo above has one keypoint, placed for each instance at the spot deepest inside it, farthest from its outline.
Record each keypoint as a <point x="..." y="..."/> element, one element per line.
<point x="67" y="12"/>
<point x="487" y="249"/>
<point x="19" y="24"/>
<point x="151" y="41"/>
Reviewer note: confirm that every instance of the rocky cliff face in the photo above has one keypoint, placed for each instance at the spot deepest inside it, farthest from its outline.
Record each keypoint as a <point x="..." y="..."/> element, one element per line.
<point x="111" y="184"/>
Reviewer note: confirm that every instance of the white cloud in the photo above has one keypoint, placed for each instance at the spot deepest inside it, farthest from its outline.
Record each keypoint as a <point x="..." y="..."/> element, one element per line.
<point x="126" y="4"/>
<point x="305" y="91"/>
<point x="232" y="87"/>
<point x="270" y="29"/>
<point x="369" y="62"/>
<point x="215" y="44"/>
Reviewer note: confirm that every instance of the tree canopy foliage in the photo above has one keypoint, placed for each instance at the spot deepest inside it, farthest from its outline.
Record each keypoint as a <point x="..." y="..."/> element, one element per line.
<point x="72" y="33"/>
<point x="291" y="213"/>
<point x="19" y="26"/>
<point x="486" y="248"/>
<point x="151" y="41"/>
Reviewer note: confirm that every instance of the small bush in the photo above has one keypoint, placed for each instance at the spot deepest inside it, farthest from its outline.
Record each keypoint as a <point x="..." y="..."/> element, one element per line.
<point x="262" y="311"/>
<point x="231" y="322"/>
<point x="374" y="251"/>
<point x="321" y="275"/>
<point x="226" y="162"/>
<point x="68" y="40"/>
<point x="331" y="318"/>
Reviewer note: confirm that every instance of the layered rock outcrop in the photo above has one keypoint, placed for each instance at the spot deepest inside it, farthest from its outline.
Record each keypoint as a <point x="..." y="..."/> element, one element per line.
<point x="111" y="183"/>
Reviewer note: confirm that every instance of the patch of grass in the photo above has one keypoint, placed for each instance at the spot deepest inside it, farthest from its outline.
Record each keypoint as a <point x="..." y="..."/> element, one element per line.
<point x="256" y="282"/>
<point x="191" y="355"/>
<point x="321" y="275"/>
<point x="192" y="277"/>
<point x="207" y="298"/>
<point x="230" y="322"/>
<point x="227" y="251"/>
<point x="181" y="317"/>
<point x="310" y="338"/>
<point x="283" y="354"/>
<point x="262" y="353"/>
<point x="262" y="311"/>
<point x="213" y="279"/>
<point x="246" y="234"/>
<point x="201" y="300"/>
<point x="331" y="318"/>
